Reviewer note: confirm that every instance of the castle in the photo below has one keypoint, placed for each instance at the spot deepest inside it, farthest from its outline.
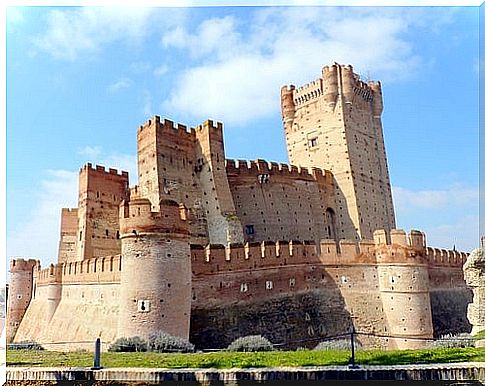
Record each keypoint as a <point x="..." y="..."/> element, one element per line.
<point x="211" y="249"/>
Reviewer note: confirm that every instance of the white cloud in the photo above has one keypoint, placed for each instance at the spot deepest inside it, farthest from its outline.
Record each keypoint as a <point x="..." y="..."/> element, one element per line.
<point x="406" y="200"/>
<point x="241" y="65"/>
<point x="72" y="33"/>
<point x="119" y="85"/>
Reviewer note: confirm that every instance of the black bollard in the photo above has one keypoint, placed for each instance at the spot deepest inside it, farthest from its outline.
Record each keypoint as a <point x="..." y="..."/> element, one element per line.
<point x="97" y="355"/>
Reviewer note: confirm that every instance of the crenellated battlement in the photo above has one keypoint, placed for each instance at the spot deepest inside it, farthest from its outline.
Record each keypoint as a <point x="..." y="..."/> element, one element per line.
<point x="167" y="125"/>
<point x="211" y="125"/>
<point x="98" y="269"/>
<point x="308" y="92"/>
<point x="101" y="170"/>
<point x="445" y="258"/>
<point x="251" y="255"/>
<point x="254" y="255"/>
<point x="261" y="167"/>
<point x="136" y="217"/>
<point x="336" y="80"/>
<point x="51" y="274"/>
<point x="17" y="265"/>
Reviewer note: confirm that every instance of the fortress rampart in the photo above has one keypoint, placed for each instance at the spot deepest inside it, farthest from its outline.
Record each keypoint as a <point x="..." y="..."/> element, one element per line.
<point x="257" y="278"/>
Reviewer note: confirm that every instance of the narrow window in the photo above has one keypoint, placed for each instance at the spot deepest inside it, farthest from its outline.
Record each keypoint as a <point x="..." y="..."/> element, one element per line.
<point x="249" y="229"/>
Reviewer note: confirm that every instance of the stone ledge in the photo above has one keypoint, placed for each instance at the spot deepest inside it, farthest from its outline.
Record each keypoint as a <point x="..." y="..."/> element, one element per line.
<point x="439" y="371"/>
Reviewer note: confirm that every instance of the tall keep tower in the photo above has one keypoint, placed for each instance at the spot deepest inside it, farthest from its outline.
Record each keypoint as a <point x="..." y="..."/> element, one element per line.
<point x="334" y="123"/>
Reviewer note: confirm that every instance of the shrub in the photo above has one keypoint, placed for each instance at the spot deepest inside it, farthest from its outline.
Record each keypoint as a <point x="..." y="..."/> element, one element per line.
<point x="336" y="344"/>
<point x="454" y="341"/>
<point x="162" y="342"/>
<point x="132" y="344"/>
<point x="25" y="345"/>
<point x="251" y="343"/>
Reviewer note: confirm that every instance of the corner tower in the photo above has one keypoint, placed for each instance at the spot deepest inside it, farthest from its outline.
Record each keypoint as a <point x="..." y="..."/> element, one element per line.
<point x="334" y="123"/>
<point x="20" y="293"/>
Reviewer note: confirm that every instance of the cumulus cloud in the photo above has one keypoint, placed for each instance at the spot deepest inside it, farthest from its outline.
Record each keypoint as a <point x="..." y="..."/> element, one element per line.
<point x="59" y="189"/>
<point x="241" y="64"/>
<point x="72" y="33"/>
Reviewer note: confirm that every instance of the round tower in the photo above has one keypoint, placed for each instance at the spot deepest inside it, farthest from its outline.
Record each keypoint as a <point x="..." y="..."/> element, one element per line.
<point x="348" y="82"/>
<point x="330" y="81"/>
<point x="287" y="106"/>
<point x="404" y="288"/>
<point x="19" y="294"/>
<point x="54" y="290"/>
<point x="155" y="291"/>
<point x="377" y="105"/>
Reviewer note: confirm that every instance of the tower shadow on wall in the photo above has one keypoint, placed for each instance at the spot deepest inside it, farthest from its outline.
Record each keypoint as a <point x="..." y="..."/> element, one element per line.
<point x="304" y="307"/>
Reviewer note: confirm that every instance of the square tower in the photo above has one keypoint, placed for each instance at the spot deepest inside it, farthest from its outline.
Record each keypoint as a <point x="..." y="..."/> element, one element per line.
<point x="334" y="123"/>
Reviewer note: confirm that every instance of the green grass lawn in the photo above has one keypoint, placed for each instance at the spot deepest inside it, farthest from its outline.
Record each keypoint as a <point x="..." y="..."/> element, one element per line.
<point x="243" y="360"/>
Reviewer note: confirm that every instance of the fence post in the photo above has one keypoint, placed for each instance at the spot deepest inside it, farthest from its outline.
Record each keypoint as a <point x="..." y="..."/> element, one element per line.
<point x="352" y="364"/>
<point x="97" y="355"/>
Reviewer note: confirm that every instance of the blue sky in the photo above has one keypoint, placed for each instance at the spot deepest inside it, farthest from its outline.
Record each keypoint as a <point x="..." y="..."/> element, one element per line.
<point x="81" y="80"/>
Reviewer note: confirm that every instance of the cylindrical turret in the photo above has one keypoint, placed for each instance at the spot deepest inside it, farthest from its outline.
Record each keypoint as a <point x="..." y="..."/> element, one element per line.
<point x="20" y="293"/>
<point x="348" y="82"/>
<point x="404" y="286"/>
<point x="54" y="290"/>
<point x="287" y="106"/>
<point x="155" y="291"/>
<point x="377" y="105"/>
<point x="330" y="81"/>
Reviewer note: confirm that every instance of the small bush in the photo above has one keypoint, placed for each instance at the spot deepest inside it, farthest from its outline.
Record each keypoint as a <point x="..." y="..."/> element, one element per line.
<point x="251" y="343"/>
<point x="454" y="341"/>
<point x="132" y="344"/>
<point x="162" y="342"/>
<point x="337" y="344"/>
<point x="25" y="345"/>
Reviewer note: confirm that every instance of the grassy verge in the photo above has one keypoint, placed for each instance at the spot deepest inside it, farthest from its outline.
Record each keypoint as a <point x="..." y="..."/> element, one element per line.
<point x="243" y="360"/>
